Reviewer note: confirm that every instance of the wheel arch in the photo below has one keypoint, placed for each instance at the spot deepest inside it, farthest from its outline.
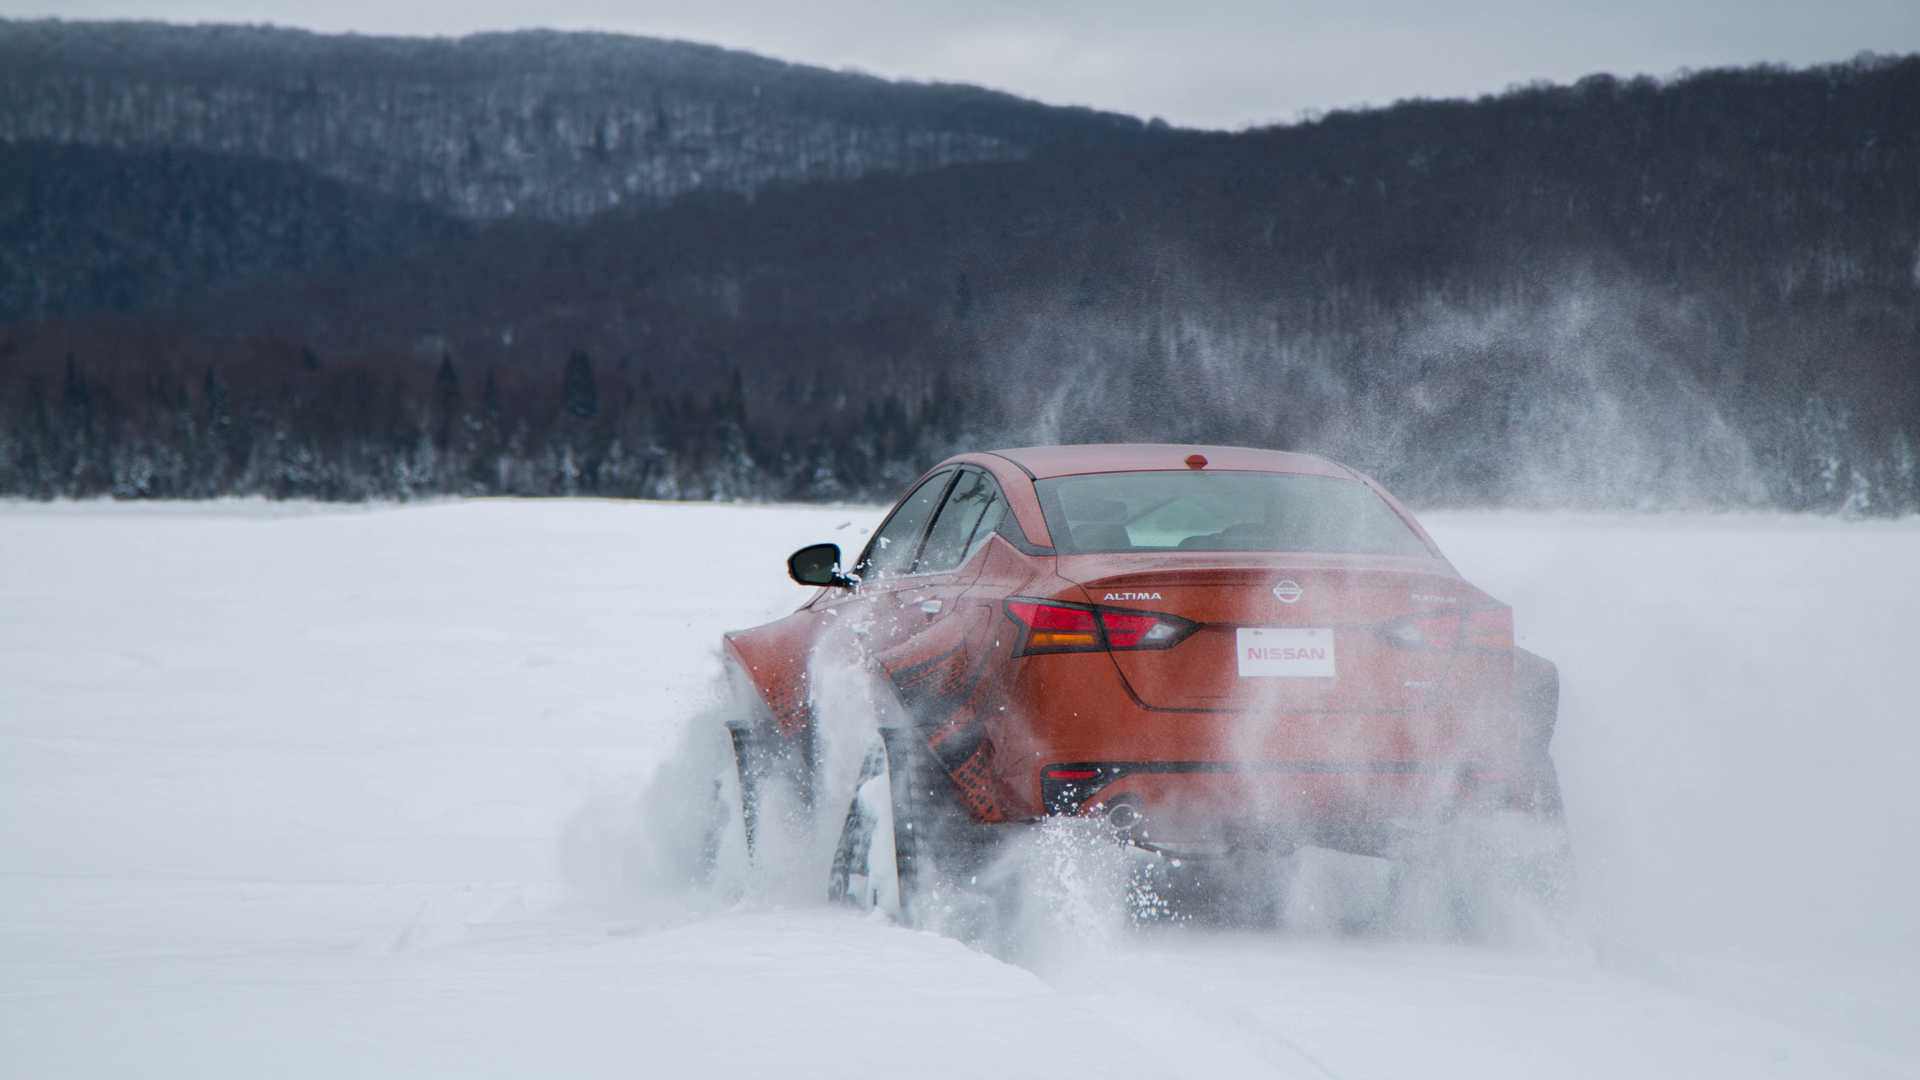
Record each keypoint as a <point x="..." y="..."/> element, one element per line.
<point x="771" y="677"/>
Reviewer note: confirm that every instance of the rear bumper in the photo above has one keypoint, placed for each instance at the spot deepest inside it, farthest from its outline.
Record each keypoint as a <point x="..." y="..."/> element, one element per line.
<point x="1205" y="807"/>
<point x="1197" y="773"/>
<point x="1207" y="766"/>
<point x="1065" y="789"/>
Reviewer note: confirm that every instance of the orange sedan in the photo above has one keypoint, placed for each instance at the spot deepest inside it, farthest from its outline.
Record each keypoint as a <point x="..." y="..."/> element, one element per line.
<point x="1214" y="650"/>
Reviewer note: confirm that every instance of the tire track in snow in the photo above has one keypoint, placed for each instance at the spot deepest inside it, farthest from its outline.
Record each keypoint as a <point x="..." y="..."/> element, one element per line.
<point x="1249" y="1025"/>
<point x="1150" y="993"/>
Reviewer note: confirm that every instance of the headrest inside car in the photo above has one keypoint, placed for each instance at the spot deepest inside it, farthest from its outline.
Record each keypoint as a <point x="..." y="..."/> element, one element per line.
<point x="1086" y="510"/>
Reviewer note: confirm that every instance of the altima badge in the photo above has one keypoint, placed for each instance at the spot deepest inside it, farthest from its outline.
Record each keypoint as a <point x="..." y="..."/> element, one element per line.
<point x="1287" y="592"/>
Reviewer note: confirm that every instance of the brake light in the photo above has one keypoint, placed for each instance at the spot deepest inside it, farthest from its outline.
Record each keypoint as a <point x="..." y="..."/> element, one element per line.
<point x="1126" y="630"/>
<point x="1435" y="632"/>
<point x="1053" y="626"/>
<point x="1483" y="628"/>
<point x="1489" y="628"/>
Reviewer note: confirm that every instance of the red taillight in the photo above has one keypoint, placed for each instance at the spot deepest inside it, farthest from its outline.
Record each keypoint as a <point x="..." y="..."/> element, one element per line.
<point x="1125" y="629"/>
<point x="1489" y="628"/>
<point x="1484" y="628"/>
<point x="1071" y="774"/>
<point x="1055" y="627"/>
<point x="1436" y="632"/>
<point x="1059" y="627"/>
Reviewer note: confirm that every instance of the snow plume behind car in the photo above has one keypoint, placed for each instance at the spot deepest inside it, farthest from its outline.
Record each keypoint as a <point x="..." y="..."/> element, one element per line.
<point x="1568" y="396"/>
<point x="1048" y="900"/>
<point x="660" y="850"/>
<point x="1489" y="876"/>
<point x="681" y="838"/>
<point x="1727" y="841"/>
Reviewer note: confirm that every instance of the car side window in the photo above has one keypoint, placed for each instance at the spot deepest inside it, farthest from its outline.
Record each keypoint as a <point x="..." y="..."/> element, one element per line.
<point x="962" y="524"/>
<point x="897" y="544"/>
<point x="990" y="522"/>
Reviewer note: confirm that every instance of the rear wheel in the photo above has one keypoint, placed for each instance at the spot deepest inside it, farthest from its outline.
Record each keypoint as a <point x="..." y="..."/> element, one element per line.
<point x="1501" y="866"/>
<point x="1546" y="868"/>
<point x="898" y="829"/>
<point x="775" y="769"/>
<point x="864" y="872"/>
<point x="907" y="846"/>
<point x="913" y="784"/>
<point x="749" y="769"/>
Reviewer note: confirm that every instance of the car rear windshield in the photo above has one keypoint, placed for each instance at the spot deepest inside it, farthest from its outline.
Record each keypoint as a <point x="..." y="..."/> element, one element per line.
<point x="1221" y="511"/>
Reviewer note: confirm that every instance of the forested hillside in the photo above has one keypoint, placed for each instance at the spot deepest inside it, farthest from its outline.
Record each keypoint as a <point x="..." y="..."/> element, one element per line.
<point x="541" y="124"/>
<point x="1703" y="291"/>
<point x="86" y="230"/>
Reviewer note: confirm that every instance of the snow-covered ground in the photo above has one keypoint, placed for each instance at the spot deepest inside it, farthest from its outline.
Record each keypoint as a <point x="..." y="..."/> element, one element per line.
<point x="289" y="791"/>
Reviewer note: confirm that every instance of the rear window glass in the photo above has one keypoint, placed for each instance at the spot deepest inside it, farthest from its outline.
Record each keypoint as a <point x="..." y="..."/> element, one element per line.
<point x="1221" y="511"/>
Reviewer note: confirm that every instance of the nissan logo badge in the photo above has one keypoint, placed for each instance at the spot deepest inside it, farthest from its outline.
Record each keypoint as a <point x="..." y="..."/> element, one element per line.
<point x="1287" y="591"/>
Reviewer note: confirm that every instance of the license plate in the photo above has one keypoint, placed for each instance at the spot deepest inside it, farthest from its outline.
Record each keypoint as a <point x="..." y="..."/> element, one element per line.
<point x="1284" y="653"/>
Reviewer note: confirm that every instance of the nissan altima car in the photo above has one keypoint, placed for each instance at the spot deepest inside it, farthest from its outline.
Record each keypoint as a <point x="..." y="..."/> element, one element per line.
<point x="1214" y="651"/>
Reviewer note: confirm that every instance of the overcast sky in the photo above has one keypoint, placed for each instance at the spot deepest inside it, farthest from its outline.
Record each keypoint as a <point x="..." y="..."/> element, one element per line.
<point x="1211" y="63"/>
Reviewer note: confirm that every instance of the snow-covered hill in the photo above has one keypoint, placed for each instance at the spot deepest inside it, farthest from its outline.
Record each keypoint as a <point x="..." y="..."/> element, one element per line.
<point x="543" y="124"/>
<point x="299" y="792"/>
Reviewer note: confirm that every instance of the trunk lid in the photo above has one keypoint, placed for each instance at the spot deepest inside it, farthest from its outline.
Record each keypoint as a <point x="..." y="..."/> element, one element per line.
<point x="1360" y="659"/>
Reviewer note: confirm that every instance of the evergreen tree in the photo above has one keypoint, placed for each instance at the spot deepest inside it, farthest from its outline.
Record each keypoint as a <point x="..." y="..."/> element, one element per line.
<point x="581" y="399"/>
<point x="446" y="403"/>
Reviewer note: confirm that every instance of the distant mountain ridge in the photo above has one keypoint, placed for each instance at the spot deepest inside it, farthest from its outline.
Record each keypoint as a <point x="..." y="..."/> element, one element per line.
<point x="1702" y="291"/>
<point x="540" y="124"/>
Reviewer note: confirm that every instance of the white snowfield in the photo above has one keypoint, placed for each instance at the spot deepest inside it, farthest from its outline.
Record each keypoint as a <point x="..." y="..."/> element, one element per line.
<point x="306" y="792"/>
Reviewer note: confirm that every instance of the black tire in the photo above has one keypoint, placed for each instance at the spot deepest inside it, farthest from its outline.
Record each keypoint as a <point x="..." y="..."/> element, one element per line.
<point x="1536" y="705"/>
<point x="939" y="849"/>
<point x="749" y="766"/>
<point x="761" y="759"/>
<point x="910" y="780"/>
<point x="765" y="755"/>
<point x="850" y="880"/>
<point x="1536" y="866"/>
<point x="1503" y="851"/>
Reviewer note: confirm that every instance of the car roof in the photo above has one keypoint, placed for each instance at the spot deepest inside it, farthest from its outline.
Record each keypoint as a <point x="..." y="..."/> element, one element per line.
<point x="1041" y="462"/>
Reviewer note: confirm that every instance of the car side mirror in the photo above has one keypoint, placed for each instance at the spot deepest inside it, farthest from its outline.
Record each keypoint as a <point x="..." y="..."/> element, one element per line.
<point x="818" y="564"/>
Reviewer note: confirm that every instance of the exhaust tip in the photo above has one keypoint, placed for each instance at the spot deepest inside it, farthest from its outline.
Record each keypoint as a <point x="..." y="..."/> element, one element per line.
<point x="1125" y="816"/>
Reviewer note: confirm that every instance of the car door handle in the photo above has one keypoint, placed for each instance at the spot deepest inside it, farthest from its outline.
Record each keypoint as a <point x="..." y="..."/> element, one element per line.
<point x="931" y="607"/>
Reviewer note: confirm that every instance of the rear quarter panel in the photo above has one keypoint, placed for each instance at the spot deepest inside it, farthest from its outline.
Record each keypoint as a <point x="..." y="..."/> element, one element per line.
<point x="772" y="660"/>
